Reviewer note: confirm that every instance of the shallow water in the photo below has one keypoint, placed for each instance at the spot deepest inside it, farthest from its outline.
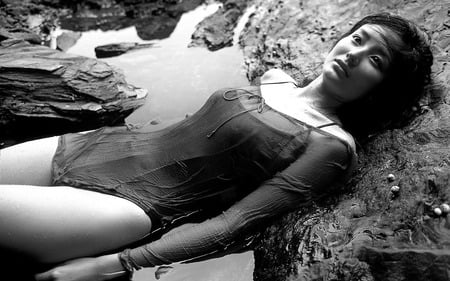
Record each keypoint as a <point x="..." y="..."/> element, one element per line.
<point x="179" y="80"/>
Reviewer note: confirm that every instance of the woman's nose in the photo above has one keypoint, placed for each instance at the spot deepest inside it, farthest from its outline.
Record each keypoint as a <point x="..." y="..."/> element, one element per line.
<point x="351" y="59"/>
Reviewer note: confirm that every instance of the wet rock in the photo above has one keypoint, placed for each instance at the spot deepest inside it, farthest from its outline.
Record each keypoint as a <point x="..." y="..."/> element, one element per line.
<point x="67" y="39"/>
<point x="152" y="19"/>
<point x="162" y="270"/>
<point x="445" y="208"/>
<point x="112" y="50"/>
<point x="33" y="16"/>
<point x="156" y="27"/>
<point x="406" y="264"/>
<point x="48" y="92"/>
<point x="217" y="30"/>
<point x="20" y="34"/>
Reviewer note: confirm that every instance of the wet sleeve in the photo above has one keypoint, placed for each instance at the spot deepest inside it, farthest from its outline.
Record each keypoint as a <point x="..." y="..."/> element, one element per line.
<point x="324" y="161"/>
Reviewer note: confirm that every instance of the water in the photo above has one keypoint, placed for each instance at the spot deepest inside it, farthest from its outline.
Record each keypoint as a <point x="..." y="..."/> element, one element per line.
<point x="179" y="80"/>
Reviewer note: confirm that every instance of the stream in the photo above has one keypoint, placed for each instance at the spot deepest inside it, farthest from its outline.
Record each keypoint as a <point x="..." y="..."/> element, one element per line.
<point x="179" y="80"/>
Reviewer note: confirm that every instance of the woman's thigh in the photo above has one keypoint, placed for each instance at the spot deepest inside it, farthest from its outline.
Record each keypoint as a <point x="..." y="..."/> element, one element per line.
<point x="53" y="224"/>
<point x="28" y="163"/>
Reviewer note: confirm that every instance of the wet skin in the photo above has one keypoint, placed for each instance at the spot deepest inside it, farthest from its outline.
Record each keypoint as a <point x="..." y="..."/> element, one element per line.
<point x="358" y="63"/>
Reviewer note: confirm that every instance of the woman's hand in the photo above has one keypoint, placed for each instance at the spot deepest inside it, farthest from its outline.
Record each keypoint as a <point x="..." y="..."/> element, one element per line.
<point x="85" y="269"/>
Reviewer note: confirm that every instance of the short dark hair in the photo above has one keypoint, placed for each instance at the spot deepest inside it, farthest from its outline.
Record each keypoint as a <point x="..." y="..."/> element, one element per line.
<point x="392" y="103"/>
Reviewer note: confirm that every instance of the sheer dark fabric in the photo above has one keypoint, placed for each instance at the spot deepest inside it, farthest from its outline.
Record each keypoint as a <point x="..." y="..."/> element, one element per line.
<point x="237" y="160"/>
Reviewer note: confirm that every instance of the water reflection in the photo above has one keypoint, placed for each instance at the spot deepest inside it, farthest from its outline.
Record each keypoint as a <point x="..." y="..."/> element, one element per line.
<point x="179" y="80"/>
<point x="235" y="267"/>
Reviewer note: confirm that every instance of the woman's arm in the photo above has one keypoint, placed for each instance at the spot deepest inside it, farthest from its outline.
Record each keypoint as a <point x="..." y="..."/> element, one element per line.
<point x="323" y="163"/>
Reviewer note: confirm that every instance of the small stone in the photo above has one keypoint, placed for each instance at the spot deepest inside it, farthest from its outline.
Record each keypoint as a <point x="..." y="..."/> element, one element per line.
<point x="356" y="211"/>
<point x="426" y="218"/>
<point x="395" y="189"/>
<point x="445" y="208"/>
<point x="391" y="177"/>
<point x="437" y="211"/>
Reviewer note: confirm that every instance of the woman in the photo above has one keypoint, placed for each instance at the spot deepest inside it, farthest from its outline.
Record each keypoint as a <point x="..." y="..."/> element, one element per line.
<point x="247" y="156"/>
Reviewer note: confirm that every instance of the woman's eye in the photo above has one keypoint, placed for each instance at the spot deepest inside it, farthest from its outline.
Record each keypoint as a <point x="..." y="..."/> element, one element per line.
<point x="357" y="39"/>
<point x="377" y="61"/>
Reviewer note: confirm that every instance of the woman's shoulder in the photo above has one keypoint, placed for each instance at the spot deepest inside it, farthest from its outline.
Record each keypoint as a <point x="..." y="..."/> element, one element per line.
<point x="338" y="144"/>
<point x="276" y="75"/>
<point x="336" y="132"/>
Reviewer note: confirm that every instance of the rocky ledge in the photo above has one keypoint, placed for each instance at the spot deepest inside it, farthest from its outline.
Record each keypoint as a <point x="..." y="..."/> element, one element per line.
<point x="48" y="92"/>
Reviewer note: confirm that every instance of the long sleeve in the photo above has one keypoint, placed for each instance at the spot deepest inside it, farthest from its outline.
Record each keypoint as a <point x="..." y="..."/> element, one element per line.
<point x="325" y="161"/>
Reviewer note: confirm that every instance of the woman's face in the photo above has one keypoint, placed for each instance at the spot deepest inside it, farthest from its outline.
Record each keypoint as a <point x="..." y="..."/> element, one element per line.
<point x="358" y="62"/>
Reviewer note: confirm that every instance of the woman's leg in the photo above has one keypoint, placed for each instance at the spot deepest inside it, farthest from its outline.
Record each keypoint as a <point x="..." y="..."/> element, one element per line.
<point x="28" y="163"/>
<point x="53" y="224"/>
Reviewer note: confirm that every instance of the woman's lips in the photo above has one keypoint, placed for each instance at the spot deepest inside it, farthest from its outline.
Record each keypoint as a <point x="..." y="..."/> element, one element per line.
<point x="343" y="66"/>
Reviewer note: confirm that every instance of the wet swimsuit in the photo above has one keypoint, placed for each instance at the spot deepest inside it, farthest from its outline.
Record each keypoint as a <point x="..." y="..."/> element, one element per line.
<point x="235" y="154"/>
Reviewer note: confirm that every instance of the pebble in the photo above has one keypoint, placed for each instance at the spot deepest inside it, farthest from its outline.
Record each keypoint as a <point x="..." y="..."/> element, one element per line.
<point x="437" y="211"/>
<point x="395" y="189"/>
<point x="391" y="177"/>
<point x="445" y="208"/>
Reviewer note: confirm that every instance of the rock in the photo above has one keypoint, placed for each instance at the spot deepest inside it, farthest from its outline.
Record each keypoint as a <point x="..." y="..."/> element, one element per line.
<point x="152" y="19"/>
<point x="395" y="189"/>
<point x="391" y="177"/>
<point x="162" y="270"/>
<point x="48" y="92"/>
<point x="28" y="14"/>
<point x="217" y="30"/>
<point x="406" y="264"/>
<point x="112" y="50"/>
<point x="20" y="34"/>
<point x="445" y="208"/>
<point x="437" y="211"/>
<point x="156" y="27"/>
<point x="67" y="39"/>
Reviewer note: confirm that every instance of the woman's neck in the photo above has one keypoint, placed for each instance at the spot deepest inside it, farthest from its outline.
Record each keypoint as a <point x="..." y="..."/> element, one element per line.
<point x="316" y="95"/>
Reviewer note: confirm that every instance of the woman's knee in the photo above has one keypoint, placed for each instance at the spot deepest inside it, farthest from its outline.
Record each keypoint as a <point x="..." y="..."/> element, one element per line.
<point x="28" y="163"/>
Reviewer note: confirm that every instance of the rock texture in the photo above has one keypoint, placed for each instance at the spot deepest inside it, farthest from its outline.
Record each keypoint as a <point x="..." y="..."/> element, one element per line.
<point x="153" y="19"/>
<point x="44" y="91"/>
<point x="67" y="39"/>
<point x="112" y="50"/>
<point x="217" y="30"/>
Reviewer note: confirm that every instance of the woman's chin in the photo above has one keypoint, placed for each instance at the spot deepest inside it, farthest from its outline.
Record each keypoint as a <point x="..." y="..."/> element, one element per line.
<point x="330" y="72"/>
